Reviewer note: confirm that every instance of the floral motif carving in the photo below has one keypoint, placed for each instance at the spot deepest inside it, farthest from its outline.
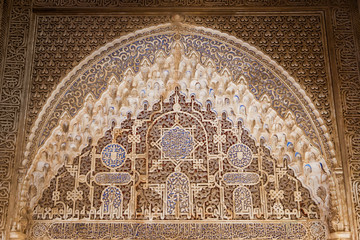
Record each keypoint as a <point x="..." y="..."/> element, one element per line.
<point x="309" y="69"/>
<point x="235" y="100"/>
<point x="13" y="62"/>
<point x="251" y="74"/>
<point x="59" y="49"/>
<point x="177" y="143"/>
<point x="179" y="190"/>
<point x="113" y="156"/>
<point x="239" y="155"/>
<point x="281" y="37"/>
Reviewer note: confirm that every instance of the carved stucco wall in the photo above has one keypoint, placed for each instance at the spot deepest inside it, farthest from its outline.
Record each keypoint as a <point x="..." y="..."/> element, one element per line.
<point x="14" y="40"/>
<point x="278" y="35"/>
<point x="209" y="64"/>
<point x="60" y="42"/>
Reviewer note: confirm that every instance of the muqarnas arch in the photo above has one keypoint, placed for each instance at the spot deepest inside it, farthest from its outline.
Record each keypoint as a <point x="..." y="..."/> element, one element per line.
<point x="219" y="101"/>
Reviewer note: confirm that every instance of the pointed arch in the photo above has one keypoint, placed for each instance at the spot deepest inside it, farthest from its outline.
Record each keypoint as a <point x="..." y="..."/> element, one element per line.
<point x="111" y="199"/>
<point x="178" y="194"/>
<point x="242" y="201"/>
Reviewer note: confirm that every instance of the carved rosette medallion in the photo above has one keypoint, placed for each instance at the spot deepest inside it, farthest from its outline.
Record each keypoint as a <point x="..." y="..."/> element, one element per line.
<point x="177" y="143"/>
<point x="113" y="156"/>
<point x="239" y="155"/>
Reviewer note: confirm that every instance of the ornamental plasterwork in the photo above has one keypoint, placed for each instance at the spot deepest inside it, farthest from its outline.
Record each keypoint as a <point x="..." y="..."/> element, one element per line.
<point x="211" y="179"/>
<point x="310" y="111"/>
<point x="282" y="110"/>
<point x="340" y="21"/>
<point x="278" y="36"/>
<point x="178" y="62"/>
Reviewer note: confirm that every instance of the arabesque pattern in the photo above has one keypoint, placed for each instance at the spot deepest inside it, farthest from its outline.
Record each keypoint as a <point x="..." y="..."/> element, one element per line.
<point x="179" y="59"/>
<point x="192" y="189"/>
<point x="63" y="40"/>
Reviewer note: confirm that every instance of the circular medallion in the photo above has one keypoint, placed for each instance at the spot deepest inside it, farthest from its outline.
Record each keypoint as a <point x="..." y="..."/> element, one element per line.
<point x="113" y="155"/>
<point x="239" y="155"/>
<point x="318" y="230"/>
<point x="39" y="230"/>
<point x="177" y="143"/>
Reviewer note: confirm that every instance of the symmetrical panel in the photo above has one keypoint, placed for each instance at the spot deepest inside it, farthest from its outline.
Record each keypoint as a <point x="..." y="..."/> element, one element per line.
<point x="177" y="161"/>
<point x="228" y="73"/>
<point x="68" y="39"/>
<point x="279" y="36"/>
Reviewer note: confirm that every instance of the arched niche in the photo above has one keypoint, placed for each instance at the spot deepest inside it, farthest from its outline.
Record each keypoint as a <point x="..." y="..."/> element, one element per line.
<point x="235" y="81"/>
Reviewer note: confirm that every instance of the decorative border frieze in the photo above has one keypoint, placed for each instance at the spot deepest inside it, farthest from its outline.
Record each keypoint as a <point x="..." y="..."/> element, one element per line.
<point x="11" y="92"/>
<point x="348" y="76"/>
<point x="180" y="230"/>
